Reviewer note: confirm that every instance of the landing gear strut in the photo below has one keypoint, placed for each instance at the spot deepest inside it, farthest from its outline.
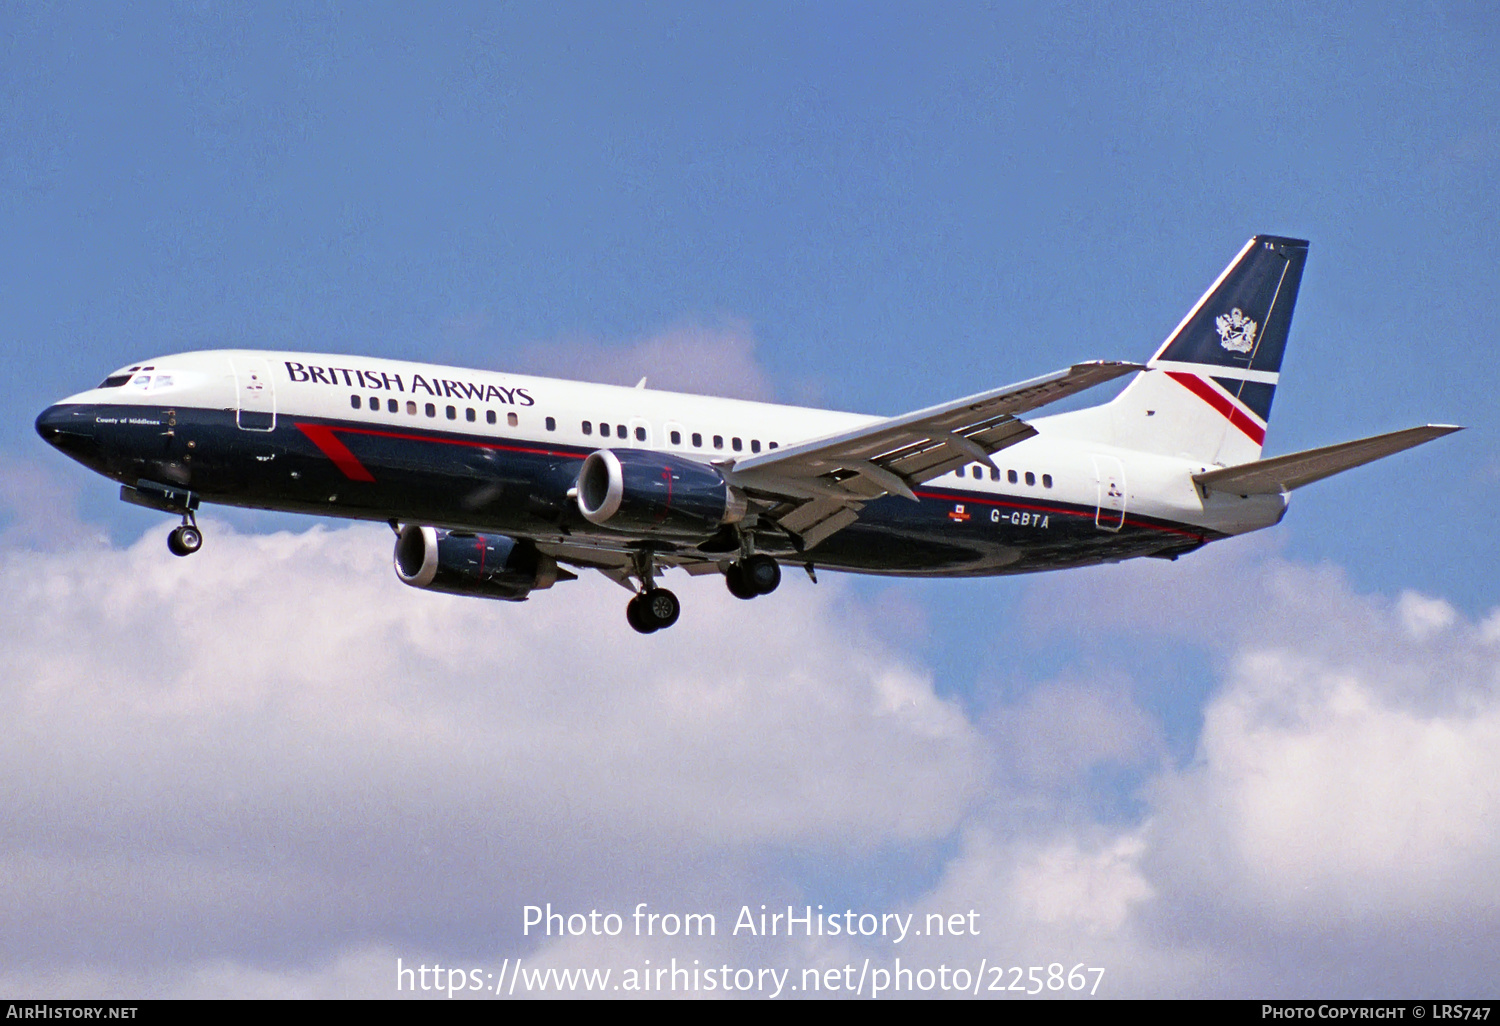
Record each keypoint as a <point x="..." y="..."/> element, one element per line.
<point x="185" y="539"/>
<point x="653" y="609"/>
<point x="752" y="576"/>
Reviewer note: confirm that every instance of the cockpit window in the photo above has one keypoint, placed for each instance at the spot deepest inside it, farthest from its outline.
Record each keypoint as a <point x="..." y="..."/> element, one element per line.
<point x="143" y="381"/>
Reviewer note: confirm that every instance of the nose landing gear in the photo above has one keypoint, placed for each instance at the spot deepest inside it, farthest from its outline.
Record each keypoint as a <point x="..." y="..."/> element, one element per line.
<point x="185" y="539"/>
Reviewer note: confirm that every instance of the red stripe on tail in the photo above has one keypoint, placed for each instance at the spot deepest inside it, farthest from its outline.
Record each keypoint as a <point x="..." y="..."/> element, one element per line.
<point x="1203" y="390"/>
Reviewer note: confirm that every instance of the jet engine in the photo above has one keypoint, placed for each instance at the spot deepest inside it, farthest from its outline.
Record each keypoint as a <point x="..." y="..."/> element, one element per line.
<point x="650" y="492"/>
<point x="486" y="565"/>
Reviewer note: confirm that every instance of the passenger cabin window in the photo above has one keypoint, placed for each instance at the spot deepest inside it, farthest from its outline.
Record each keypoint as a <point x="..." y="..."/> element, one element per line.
<point x="604" y="430"/>
<point x="411" y="408"/>
<point x="375" y="403"/>
<point x="512" y="419"/>
<point x="640" y="434"/>
<point x="736" y="444"/>
<point x="1030" y="478"/>
<point x="1046" y="480"/>
<point x="1010" y="475"/>
<point x="676" y="437"/>
<point x="588" y="428"/>
<point x="354" y="401"/>
<point x="773" y="445"/>
<point x="551" y="423"/>
<point x="620" y="431"/>
<point x="697" y="440"/>
<point x="392" y="406"/>
<point x="469" y="414"/>
<point x="431" y="410"/>
<point x="994" y="473"/>
<point x="489" y="416"/>
<point x="452" y="413"/>
<point x="718" y="441"/>
<point x="755" y="445"/>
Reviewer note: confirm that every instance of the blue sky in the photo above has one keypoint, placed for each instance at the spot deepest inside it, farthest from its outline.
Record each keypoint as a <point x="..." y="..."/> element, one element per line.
<point x="850" y="205"/>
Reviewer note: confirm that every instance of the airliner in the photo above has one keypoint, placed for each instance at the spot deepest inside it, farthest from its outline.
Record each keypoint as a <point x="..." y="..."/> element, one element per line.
<point x="496" y="484"/>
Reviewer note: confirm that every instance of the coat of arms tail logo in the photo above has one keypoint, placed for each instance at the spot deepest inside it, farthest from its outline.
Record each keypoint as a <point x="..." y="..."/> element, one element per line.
<point x="1236" y="331"/>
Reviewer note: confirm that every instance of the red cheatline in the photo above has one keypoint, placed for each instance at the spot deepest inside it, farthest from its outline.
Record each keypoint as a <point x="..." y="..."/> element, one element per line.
<point x="323" y="437"/>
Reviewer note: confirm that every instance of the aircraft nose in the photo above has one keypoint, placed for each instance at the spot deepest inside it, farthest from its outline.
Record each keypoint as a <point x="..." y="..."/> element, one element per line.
<point x="69" y="428"/>
<point x="50" y="422"/>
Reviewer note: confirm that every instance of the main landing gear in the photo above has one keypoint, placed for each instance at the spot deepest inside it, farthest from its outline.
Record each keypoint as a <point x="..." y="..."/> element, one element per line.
<point x="653" y="608"/>
<point x="752" y="576"/>
<point x="186" y="539"/>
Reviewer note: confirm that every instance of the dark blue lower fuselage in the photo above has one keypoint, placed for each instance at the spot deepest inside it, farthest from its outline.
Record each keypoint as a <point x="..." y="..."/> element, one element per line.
<point x="520" y="487"/>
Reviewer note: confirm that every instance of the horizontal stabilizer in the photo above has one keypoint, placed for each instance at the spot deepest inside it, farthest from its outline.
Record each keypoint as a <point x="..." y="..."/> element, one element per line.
<point x="1283" y="473"/>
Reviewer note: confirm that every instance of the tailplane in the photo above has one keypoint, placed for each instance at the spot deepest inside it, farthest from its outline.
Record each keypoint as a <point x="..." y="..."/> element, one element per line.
<point x="1283" y="473"/>
<point x="1206" y="394"/>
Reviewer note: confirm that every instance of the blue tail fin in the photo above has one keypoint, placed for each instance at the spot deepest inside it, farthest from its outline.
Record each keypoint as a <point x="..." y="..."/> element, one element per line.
<point x="1207" y="393"/>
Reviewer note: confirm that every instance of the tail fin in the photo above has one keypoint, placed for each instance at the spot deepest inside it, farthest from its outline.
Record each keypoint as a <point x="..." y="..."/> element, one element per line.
<point x="1206" y="394"/>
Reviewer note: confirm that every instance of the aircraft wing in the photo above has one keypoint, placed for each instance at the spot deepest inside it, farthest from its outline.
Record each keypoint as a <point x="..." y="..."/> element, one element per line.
<point x="1283" y="473"/>
<point x="619" y="565"/>
<point x="818" y="487"/>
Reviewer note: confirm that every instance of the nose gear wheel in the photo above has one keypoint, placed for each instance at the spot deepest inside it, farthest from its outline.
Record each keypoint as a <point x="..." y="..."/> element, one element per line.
<point x="185" y="539"/>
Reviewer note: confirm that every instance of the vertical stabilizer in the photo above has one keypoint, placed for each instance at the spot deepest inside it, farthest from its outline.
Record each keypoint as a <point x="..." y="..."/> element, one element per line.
<point x="1206" y="394"/>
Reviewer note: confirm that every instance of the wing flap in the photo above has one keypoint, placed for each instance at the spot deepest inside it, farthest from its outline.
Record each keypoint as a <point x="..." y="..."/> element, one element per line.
<point x="923" y="429"/>
<point x="825" y="481"/>
<point x="923" y="464"/>
<point x="618" y="564"/>
<point x="824" y="525"/>
<point x="1283" y="473"/>
<point x="809" y="515"/>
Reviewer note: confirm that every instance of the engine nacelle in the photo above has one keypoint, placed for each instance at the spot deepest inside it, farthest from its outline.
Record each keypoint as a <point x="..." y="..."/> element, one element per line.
<point x="651" y="492"/>
<point x="485" y="565"/>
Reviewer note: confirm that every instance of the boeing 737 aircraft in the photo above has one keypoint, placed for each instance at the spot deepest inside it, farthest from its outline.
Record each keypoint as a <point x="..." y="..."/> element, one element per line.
<point x="494" y="483"/>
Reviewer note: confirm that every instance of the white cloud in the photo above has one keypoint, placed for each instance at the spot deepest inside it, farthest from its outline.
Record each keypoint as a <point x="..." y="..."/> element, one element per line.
<point x="1423" y="616"/>
<point x="37" y="509"/>
<point x="1059" y="730"/>
<point x="1321" y="793"/>
<point x="1489" y="628"/>
<point x="1080" y="900"/>
<point x="275" y="738"/>
<point x="272" y="770"/>
<point x="1338" y="830"/>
